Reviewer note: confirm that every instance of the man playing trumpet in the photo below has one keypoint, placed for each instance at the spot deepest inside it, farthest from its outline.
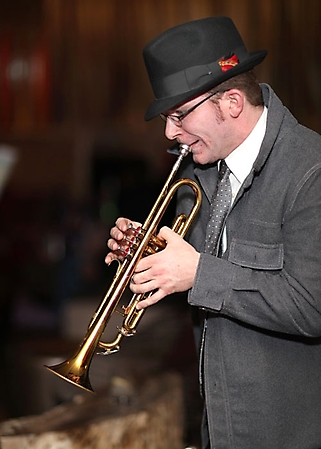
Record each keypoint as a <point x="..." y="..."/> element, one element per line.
<point x="252" y="263"/>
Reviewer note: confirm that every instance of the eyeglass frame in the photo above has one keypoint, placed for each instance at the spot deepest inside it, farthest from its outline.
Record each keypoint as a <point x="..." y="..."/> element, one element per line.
<point x="177" y="119"/>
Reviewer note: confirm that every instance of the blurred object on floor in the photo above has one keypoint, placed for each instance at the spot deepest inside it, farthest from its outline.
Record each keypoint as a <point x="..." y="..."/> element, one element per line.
<point x="151" y="418"/>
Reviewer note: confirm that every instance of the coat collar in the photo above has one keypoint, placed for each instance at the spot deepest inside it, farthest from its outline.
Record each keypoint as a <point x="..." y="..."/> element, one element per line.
<point x="207" y="175"/>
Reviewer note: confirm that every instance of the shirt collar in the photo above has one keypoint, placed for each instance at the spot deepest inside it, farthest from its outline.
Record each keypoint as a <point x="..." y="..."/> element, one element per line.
<point x="241" y="160"/>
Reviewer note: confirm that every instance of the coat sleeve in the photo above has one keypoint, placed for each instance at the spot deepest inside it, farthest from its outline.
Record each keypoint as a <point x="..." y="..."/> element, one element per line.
<point x="286" y="299"/>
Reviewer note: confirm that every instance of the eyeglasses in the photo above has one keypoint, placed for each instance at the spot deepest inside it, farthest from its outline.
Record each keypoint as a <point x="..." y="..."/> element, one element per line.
<point x="177" y="119"/>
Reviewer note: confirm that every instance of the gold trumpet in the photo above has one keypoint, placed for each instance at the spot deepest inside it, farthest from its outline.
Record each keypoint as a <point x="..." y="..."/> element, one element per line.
<point x="76" y="369"/>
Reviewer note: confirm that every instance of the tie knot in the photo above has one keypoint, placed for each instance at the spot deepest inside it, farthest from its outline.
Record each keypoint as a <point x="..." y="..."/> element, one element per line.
<point x="223" y="170"/>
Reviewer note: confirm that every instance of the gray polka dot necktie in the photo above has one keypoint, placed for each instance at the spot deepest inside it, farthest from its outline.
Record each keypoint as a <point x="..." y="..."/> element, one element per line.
<point x="220" y="205"/>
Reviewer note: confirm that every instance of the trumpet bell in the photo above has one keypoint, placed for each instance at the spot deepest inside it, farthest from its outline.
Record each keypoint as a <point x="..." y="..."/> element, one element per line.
<point x="72" y="371"/>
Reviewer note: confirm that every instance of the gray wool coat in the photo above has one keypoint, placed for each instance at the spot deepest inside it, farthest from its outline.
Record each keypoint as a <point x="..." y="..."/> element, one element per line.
<point x="261" y="349"/>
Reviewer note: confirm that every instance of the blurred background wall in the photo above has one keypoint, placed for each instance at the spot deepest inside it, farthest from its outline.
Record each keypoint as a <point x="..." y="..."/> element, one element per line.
<point x="73" y="92"/>
<point x="73" y="83"/>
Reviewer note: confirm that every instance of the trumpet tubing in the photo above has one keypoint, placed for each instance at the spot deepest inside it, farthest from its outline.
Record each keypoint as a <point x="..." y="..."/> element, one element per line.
<point x="76" y="369"/>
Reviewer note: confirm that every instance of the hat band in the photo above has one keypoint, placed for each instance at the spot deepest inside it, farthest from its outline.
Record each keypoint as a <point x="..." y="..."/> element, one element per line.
<point x="193" y="77"/>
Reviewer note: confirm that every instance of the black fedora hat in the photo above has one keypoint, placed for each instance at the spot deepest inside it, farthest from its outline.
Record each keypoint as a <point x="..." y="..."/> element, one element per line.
<point x="193" y="57"/>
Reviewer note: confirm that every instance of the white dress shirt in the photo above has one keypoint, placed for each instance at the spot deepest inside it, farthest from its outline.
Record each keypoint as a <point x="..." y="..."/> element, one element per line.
<point x="241" y="160"/>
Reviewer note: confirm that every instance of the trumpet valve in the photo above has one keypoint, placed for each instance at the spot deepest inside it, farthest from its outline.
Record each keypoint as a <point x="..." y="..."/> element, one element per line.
<point x="155" y="244"/>
<point x="132" y="238"/>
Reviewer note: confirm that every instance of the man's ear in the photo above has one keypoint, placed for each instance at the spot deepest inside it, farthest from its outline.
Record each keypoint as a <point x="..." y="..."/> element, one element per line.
<point x="236" y="102"/>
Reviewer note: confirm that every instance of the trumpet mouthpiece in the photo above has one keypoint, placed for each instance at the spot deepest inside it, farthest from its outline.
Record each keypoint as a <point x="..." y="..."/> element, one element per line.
<point x="184" y="149"/>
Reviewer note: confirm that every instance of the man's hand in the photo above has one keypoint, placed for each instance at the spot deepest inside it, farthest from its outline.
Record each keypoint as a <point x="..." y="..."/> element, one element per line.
<point x="119" y="242"/>
<point x="169" y="271"/>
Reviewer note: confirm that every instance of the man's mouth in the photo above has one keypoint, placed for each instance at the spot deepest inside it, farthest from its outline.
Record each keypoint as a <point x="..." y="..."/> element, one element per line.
<point x="191" y="145"/>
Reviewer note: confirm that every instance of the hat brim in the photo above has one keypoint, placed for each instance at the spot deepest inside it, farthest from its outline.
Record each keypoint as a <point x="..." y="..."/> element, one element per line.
<point x="162" y="105"/>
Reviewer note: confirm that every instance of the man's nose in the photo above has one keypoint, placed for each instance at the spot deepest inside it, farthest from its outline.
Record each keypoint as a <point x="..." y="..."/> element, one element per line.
<point x="172" y="131"/>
